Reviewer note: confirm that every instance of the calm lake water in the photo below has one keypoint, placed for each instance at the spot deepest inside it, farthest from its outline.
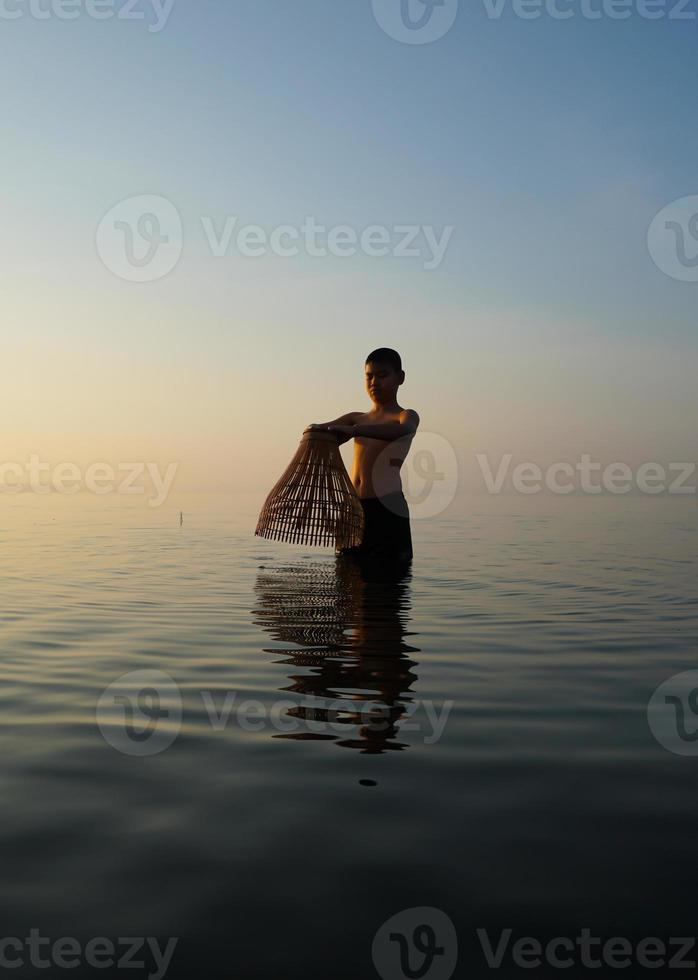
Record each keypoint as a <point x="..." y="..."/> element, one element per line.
<point x="332" y="750"/>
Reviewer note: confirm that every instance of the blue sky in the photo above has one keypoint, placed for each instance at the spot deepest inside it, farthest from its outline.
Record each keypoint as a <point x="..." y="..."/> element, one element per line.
<point x="548" y="145"/>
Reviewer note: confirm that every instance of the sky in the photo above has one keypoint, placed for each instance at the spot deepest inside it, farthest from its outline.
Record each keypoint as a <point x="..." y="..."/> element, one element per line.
<point x="547" y="146"/>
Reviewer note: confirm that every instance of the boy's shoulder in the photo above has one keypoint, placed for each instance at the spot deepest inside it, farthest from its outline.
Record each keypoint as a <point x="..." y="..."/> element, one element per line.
<point x="409" y="415"/>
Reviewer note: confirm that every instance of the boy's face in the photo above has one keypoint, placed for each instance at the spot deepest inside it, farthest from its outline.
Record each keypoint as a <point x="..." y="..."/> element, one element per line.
<point x="382" y="381"/>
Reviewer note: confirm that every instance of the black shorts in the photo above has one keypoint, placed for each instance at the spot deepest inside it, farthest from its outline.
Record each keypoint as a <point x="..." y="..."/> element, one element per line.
<point x="386" y="529"/>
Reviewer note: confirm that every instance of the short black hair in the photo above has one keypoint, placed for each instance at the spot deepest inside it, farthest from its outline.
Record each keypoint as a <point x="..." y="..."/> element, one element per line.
<point x="385" y="355"/>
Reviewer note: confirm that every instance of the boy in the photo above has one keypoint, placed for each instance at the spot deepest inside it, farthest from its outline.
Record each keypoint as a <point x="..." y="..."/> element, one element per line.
<point x="382" y="440"/>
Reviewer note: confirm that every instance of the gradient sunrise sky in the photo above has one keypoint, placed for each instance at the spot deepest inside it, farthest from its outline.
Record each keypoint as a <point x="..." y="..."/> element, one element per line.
<point x="548" y="145"/>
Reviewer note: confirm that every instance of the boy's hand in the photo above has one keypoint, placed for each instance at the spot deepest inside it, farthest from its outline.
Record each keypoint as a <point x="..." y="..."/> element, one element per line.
<point x="343" y="427"/>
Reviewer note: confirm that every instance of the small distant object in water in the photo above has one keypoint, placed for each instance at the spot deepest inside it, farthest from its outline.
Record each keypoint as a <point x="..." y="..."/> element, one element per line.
<point x="368" y="782"/>
<point x="181" y="518"/>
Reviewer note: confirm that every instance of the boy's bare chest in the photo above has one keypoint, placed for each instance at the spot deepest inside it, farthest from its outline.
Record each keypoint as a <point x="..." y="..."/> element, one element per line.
<point x="369" y="449"/>
<point x="378" y="420"/>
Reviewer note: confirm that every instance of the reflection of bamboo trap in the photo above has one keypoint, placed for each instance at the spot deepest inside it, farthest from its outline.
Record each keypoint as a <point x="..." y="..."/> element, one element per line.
<point x="314" y="502"/>
<point x="312" y="605"/>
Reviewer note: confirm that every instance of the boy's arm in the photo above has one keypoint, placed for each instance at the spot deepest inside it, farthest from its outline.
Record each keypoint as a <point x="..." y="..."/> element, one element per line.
<point x="345" y="421"/>
<point x="389" y="431"/>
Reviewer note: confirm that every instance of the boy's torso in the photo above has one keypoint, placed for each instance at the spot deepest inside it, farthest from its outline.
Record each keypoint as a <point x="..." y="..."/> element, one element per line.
<point x="376" y="467"/>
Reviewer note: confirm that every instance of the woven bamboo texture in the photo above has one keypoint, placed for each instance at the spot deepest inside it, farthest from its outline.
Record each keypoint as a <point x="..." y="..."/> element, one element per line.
<point x="314" y="502"/>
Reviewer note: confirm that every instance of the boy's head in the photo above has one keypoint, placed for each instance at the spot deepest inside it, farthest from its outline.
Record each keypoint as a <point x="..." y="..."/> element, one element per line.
<point x="384" y="374"/>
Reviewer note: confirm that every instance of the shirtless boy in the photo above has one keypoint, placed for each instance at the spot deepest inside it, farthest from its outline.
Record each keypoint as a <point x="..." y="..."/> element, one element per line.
<point x="382" y="439"/>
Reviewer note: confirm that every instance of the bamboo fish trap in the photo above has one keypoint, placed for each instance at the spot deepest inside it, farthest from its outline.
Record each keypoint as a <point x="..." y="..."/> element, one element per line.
<point x="314" y="502"/>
